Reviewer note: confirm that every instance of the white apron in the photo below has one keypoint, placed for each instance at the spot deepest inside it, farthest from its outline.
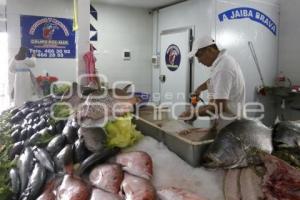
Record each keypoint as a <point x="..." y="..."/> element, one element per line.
<point x="24" y="86"/>
<point x="24" y="89"/>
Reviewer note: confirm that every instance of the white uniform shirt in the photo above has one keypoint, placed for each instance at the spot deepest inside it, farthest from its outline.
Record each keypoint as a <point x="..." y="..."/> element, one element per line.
<point x="227" y="82"/>
<point x="24" y="89"/>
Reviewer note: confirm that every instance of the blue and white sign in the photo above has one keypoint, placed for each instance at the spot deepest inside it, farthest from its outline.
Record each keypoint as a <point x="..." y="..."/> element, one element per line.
<point x="173" y="57"/>
<point x="48" y="37"/>
<point x="250" y="13"/>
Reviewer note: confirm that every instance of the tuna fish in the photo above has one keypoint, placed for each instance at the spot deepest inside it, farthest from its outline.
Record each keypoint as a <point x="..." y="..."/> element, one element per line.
<point x="136" y="163"/>
<point x="100" y="194"/>
<point x="136" y="188"/>
<point x="107" y="177"/>
<point x="237" y="145"/>
<point x="287" y="135"/>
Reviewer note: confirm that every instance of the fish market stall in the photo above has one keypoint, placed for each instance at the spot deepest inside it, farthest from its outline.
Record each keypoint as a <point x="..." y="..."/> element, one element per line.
<point x="171" y="171"/>
<point x="47" y="151"/>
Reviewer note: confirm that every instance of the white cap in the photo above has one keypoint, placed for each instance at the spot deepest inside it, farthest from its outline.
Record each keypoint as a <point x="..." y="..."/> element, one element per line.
<point x="201" y="43"/>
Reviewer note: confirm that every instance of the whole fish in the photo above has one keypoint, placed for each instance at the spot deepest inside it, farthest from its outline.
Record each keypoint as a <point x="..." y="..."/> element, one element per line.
<point x="49" y="192"/>
<point x="15" y="183"/>
<point x="16" y="149"/>
<point x="136" y="188"/>
<point x="287" y="134"/>
<point x="98" y="194"/>
<point x="73" y="188"/>
<point x="97" y="158"/>
<point x="80" y="151"/>
<point x="107" y="177"/>
<point x="25" y="165"/>
<point x="16" y="135"/>
<point x="70" y="132"/>
<point x="136" y="163"/>
<point x="64" y="157"/>
<point x="237" y="145"/>
<point x="44" y="158"/>
<point x="56" y="144"/>
<point x="177" y="194"/>
<point x="35" y="184"/>
<point x="94" y="138"/>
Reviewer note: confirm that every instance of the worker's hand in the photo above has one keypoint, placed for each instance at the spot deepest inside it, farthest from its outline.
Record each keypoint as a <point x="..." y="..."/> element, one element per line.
<point x="189" y="115"/>
<point x="196" y="93"/>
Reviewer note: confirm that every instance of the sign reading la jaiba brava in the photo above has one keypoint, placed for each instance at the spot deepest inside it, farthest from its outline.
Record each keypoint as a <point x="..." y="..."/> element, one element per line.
<point x="48" y="37"/>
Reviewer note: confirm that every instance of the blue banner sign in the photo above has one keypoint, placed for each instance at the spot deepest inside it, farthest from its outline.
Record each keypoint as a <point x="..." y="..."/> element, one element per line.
<point x="48" y="37"/>
<point x="250" y="13"/>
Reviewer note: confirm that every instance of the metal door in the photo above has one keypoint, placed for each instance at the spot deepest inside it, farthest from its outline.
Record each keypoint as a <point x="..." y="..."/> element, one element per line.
<point x="175" y="67"/>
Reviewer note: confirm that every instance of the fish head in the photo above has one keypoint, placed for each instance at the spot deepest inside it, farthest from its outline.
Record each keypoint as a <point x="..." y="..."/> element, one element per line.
<point x="225" y="152"/>
<point x="137" y="163"/>
<point x="134" y="187"/>
<point x="108" y="177"/>
<point x="286" y="135"/>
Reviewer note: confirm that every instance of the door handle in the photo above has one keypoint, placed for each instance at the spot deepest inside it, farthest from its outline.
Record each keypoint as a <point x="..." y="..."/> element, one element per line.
<point x="162" y="78"/>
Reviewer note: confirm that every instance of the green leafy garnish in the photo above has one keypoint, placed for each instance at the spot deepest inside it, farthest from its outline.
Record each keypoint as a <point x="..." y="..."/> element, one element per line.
<point x="122" y="132"/>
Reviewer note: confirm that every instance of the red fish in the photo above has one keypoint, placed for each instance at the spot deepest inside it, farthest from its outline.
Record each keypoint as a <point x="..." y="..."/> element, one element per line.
<point x="136" y="163"/>
<point x="177" y="194"/>
<point x="136" y="188"/>
<point x="107" y="177"/>
<point x="100" y="194"/>
<point x="49" y="191"/>
<point x="73" y="188"/>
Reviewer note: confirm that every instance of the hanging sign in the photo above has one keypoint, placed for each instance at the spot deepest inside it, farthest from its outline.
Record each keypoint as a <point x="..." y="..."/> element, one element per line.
<point x="48" y="37"/>
<point x="250" y="13"/>
<point x="173" y="57"/>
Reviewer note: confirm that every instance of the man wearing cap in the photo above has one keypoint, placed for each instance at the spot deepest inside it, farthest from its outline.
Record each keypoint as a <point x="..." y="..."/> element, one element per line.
<point x="226" y="85"/>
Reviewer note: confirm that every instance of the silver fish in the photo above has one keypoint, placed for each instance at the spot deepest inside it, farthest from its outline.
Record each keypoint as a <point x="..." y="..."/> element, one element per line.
<point x="287" y="134"/>
<point x="237" y="145"/>
<point x="35" y="184"/>
<point x="44" y="158"/>
<point x="25" y="166"/>
<point x="15" y="183"/>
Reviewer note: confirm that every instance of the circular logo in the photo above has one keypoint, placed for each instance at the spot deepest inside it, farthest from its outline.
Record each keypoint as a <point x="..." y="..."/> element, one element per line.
<point x="173" y="57"/>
